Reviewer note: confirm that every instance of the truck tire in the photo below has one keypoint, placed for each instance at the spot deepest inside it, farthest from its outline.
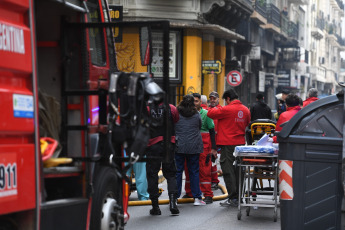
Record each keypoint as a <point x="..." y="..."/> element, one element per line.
<point x="107" y="192"/>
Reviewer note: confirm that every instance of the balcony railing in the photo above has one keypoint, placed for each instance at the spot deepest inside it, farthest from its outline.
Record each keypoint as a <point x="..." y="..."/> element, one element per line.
<point x="260" y="7"/>
<point x="273" y="15"/>
<point x="341" y="41"/>
<point x="320" y="23"/>
<point x="284" y="24"/>
<point x="243" y="28"/>
<point x="340" y="4"/>
<point x="293" y="30"/>
<point x="331" y="28"/>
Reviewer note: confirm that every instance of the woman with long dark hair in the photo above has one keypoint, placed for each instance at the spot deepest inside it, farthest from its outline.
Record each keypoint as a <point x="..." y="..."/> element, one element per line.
<point x="189" y="146"/>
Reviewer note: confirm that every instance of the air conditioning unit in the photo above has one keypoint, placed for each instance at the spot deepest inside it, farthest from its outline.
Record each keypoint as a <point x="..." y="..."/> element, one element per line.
<point x="245" y="63"/>
<point x="272" y="63"/>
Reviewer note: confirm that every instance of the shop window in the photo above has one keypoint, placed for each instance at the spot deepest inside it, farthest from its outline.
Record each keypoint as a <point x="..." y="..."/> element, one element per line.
<point x="175" y="56"/>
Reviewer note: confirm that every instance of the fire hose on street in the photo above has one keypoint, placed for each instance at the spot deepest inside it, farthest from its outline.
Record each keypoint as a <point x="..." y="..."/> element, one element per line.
<point x="180" y="200"/>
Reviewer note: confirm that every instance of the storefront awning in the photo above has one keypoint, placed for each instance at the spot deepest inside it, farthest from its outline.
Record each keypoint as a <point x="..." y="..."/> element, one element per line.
<point x="216" y="30"/>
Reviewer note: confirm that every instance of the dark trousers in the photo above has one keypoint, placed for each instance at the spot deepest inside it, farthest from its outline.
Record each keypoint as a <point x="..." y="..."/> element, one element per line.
<point x="154" y="165"/>
<point x="230" y="173"/>
<point x="193" y="170"/>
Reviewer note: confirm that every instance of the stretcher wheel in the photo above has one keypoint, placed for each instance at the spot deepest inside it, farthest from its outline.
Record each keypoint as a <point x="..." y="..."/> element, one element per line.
<point x="239" y="215"/>
<point x="248" y="211"/>
<point x="275" y="214"/>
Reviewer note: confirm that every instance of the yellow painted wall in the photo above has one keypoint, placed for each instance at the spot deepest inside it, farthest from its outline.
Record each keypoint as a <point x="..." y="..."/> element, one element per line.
<point x="208" y="54"/>
<point x="192" y="47"/>
<point x="128" y="52"/>
<point x="220" y="54"/>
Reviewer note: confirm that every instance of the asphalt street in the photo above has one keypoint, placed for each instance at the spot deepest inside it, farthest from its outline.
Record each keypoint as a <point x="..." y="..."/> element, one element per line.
<point x="211" y="216"/>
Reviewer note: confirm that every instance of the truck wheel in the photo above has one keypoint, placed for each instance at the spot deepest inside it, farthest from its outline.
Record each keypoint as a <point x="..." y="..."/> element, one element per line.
<point x="107" y="195"/>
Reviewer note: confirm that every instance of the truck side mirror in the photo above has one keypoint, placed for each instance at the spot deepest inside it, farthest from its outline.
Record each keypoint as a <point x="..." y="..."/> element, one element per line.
<point x="145" y="45"/>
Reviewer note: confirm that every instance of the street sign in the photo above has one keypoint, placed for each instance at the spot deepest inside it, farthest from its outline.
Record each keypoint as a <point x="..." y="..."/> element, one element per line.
<point x="116" y="15"/>
<point x="261" y="81"/>
<point x="234" y="78"/>
<point x="211" y="67"/>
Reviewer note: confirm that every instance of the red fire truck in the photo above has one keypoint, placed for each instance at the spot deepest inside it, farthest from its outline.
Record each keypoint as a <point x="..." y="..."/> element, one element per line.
<point x="60" y="85"/>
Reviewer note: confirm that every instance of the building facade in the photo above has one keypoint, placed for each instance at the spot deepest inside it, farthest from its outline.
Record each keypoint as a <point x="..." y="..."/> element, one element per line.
<point x="273" y="44"/>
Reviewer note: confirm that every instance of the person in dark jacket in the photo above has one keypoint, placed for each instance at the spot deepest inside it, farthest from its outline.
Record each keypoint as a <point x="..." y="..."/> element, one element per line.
<point x="260" y="110"/>
<point x="156" y="150"/>
<point x="209" y="143"/>
<point x="189" y="146"/>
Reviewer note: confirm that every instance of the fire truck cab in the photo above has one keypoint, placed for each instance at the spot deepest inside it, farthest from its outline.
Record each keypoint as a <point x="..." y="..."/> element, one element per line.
<point x="61" y="93"/>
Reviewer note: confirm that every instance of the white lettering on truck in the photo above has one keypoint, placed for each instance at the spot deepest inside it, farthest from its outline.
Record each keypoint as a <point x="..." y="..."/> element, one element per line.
<point x="11" y="39"/>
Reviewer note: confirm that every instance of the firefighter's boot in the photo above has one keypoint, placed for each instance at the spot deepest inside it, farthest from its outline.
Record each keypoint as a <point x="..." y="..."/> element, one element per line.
<point x="155" y="211"/>
<point x="173" y="204"/>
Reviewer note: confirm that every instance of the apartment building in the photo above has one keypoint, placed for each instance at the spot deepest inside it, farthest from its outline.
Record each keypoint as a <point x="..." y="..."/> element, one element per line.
<point x="326" y="44"/>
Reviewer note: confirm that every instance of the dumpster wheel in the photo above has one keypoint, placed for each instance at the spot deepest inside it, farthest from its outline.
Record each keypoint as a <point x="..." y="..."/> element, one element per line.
<point x="248" y="211"/>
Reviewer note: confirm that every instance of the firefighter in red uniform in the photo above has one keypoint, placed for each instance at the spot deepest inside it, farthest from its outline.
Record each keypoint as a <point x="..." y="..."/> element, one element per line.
<point x="232" y="122"/>
<point x="292" y="107"/>
<point x="214" y="102"/>
<point x="312" y="96"/>
<point x="292" y="103"/>
<point x="209" y="142"/>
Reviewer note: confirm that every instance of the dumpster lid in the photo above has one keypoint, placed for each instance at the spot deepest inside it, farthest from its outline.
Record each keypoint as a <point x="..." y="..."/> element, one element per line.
<point x="288" y="128"/>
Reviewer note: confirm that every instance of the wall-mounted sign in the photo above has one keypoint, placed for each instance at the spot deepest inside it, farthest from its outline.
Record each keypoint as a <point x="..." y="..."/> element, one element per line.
<point x="261" y="81"/>
<point x="116" y="15"/>
<point x="255" y="53"/>
<point x="234" y="78"/>
<point x="271" y="80"/>
<point x="211" y="67"/>
<point x="283" y="77"/>
<point x="293" y="82"/>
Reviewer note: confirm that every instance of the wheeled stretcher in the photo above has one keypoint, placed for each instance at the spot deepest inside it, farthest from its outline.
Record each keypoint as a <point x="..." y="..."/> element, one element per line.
<point x="253" y="167"/>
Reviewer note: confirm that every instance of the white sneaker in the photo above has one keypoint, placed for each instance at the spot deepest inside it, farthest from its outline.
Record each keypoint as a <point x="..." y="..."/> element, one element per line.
<point x="199" y="202"/>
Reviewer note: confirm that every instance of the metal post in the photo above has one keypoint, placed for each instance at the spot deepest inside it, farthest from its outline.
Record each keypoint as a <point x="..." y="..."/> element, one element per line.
<point x="167" y="122"/>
